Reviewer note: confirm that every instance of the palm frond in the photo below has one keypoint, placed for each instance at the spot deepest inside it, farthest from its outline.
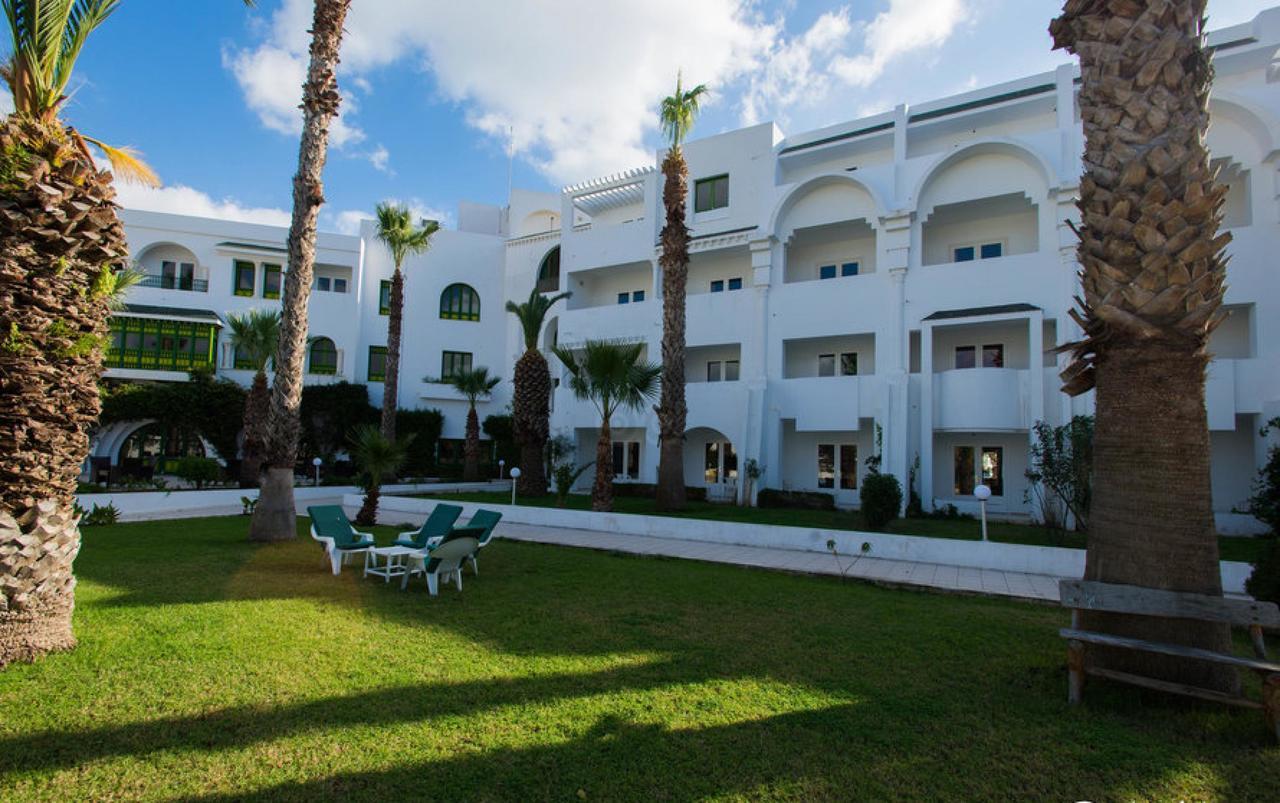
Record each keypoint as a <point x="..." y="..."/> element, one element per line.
<point x="397" y="232"/>
<point x="126" y="164"/>
<point x="610" y="374"/>
<point x="678" y="111"/>
<point x="533" y="312"/>
<point x="474" y="383"/>
<point x="256" y="334"/>
<point x="377" y="456"/>
<point x="47" y="37"/>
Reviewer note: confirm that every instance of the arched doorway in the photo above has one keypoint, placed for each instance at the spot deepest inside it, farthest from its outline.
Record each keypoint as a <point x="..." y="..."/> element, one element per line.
<point x="154" y="449"/>
<point x="711" y="461"/>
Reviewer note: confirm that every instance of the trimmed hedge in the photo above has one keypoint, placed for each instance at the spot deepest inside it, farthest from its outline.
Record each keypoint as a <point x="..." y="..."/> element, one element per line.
<point x="801" y="500"/>
<point x="647" y="490"/>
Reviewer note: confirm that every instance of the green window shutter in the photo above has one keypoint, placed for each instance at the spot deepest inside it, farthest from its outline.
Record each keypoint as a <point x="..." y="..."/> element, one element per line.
<point x="377" y="363"/>
<point x="271" y="281"/>
<point x="243" y="278"/>
<point x="384" y="297"/>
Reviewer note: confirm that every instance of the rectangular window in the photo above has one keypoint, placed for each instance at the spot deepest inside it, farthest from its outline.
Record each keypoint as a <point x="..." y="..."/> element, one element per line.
<point x="242" y="361"/>
<point x="964" y="254"/>
<point x="633" y="460"/>
<point x="624" y="298"/>
<point x="453" y="363"/>
<point x="713" y="371"/>
<point x="711" y="193"/>
<point x="711" y="465"/>
<point x="826" y="465"/>
<point x="377" y="363"/>
<point x="717" y="286"/>
<point x="849" y="363"/>
<point x="963" y="471"/>
<point x="826" y="365"/>
<point x="735" y="284"/>
<point x="159" y="345"/>
<point x="168" y="274"/>
<point x="384" y="298"/>
<point x="731" y="370"/>
<point x="991" y="250"/>
<point x="849" y="269"/>
<point x="339" y="285"/>
<point x="965" y="357"/>
<point x="993" y="356"/>
<point x="187" y="276"/>
<point x="637" y="296"/>
<point x="244" y="278"/>
<point x="993" y="469"/>
<point x="270" y="281"/>
<point x="848" y="466"/>
<point x="827" y="272"/>
<point x="619" y="458"/>
<point x="322" y="283"/>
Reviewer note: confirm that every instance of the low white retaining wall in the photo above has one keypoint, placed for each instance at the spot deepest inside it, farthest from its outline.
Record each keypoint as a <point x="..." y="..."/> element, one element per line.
<point x="143" y="505"/>
<point x="1053" y="561"/>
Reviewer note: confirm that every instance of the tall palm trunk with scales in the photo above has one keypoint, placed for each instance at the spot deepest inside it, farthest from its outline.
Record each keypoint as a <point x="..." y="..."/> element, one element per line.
<point x="1153" y="274"/>
<point x="275" y="517"/>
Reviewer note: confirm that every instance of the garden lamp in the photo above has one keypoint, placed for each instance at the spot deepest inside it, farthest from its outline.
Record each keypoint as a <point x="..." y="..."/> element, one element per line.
<point x="502" y="468"/>
<point x="316" y="462"/>
<point x="515" y="475"/>
<point x="983" y="493"/>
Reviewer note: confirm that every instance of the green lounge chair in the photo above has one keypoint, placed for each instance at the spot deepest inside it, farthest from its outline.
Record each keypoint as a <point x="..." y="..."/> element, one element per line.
<point x="435" y="528"/>
<point x="446" y="559"/>
<point x="329" y="526"/>
<point x="485" y="521"/>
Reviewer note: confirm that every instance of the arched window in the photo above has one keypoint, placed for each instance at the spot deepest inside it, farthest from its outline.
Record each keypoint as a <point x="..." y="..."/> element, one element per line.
<point x="549" y="272"/>
<point x="459" y="302"/>
<point x="324" y="357"/>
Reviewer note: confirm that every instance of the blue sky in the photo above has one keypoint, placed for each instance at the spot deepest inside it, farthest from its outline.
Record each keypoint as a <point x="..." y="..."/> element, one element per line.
<point x="208" y="90"/>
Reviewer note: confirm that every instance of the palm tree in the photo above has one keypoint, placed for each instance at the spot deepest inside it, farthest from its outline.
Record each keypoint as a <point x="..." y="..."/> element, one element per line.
<point x="678" y="113"/>
<point x="473" y="384"/>
<point x="62" y="256"/>
<point x="531" y="401"/>
<point x="610" y="375"/>
<point x="1153" y="275"/>
<point x="378" y="458"/>
<point x="255" y="335"/>
<point x="274" y="517"/>
<point x="403" y="239"/>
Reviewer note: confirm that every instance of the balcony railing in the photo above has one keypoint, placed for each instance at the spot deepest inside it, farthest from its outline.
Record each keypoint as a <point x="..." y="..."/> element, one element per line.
<point x="175" y="283"/>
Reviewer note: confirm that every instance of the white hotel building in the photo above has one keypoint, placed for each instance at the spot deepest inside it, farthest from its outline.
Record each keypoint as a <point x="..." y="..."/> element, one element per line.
<point x="907" y="274"/>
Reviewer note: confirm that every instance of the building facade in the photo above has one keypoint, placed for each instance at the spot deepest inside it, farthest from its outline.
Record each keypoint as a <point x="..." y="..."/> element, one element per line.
<point x="895" y="285"/>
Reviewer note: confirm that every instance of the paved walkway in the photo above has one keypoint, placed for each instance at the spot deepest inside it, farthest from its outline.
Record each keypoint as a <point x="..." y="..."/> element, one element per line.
<point x="895" y="572"/>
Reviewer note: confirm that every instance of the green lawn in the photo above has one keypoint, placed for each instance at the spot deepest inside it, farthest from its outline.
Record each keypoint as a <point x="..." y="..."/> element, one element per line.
<point x="212" y="669"/>
<point x="1244" y="549"/>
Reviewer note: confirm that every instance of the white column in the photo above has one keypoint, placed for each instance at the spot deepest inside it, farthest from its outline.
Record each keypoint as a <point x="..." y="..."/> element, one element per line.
<point x="754" y="368"/>
<point x="926" y="414"/>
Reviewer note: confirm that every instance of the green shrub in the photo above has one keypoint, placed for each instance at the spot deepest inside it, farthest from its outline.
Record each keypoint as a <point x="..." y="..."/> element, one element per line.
<point x="881" y="496"/>
<point x="647" y="490"/>
<point x="1264" y="583"/>
<point x="802" y="500"/>
<point x="101" y="516"/>
<point x="197" y="470"/>
<point x="1265" y="502"/>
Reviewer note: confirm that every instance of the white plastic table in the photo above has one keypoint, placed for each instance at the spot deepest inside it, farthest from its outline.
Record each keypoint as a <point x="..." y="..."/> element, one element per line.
<point x="392" y="562"/>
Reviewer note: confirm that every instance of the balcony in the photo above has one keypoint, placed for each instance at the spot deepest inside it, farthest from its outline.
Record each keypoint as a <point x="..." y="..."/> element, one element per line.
<point x="637" y="321"/>
<point x="601" y="244"/>
<point x="981" y="400"/>
<point x="568" y="411"/>
<point x="825" y="403"/>
<point x="724" y="317"/>
<point x="721" y="406"/>
<point x="174" y="283"/>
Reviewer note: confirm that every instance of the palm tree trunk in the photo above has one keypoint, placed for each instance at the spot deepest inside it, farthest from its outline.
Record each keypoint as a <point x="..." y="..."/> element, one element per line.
<point x="391" y="381"/>
<point x="1151" y="522"/>
<point x="275" y="516"/>
<point x="367" y="516"/>
<point x="471" y="451"/>
<point x="257" y="407"/>
<point x="1153" y="283"/>
<point x="59" y="233"/>
<point x="531" y="415"/>
<point x="602" y="487"/>
<point x="675" y="275"/>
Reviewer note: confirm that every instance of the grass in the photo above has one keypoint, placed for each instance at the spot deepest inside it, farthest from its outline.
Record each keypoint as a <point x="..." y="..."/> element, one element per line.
<point x="1231" y="548"/>
<point x="213" y="669"/>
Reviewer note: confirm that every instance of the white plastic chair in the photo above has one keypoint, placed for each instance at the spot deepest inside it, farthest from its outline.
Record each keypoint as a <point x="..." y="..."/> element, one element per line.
<point x="445" y="559"/>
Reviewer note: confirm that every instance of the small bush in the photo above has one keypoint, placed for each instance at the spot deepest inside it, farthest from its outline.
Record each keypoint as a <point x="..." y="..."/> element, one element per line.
<point x="881" y="496"/>
<point x="801" y="500"/>
<point x="197" y="470"/>
<point x="647" y="490"/>
<point x="1264" y="583"/>
<point x="101" y="515"/>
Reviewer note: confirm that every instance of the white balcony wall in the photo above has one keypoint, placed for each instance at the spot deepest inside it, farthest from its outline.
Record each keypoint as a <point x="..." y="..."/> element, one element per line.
<point x="830" y="244"/>
<point x="801" y="356"/>
<point x="607" y="242"/>
<point x="982" y="400"/>
<point x="600" y="287"/>
<point x="1010" y="220"/>
<point x="713" y="318"/>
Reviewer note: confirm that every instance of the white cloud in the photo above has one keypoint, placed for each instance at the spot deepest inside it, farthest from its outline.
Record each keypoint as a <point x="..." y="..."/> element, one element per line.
<point x="182" y="200"/>
<point x="907" y="26"/>
<point x="380" y="158"/>
<point x="6" y="102"/>
<point x="798" y="71"/>
<point x="271" y="78"/>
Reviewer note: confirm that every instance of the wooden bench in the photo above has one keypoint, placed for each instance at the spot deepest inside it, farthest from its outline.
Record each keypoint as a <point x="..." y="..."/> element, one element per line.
<point x="1085" y="595"/>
